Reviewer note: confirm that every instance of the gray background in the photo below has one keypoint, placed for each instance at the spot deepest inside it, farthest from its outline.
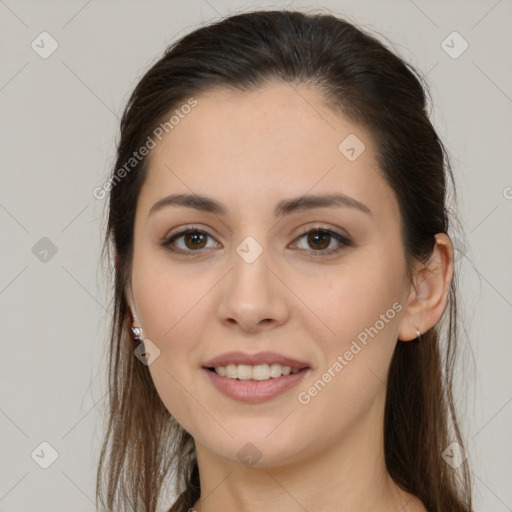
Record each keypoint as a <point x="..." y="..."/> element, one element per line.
<point x="58" y="131"/>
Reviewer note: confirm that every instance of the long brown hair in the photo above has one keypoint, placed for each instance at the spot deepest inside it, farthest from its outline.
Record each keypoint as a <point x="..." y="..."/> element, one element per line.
<point x="363" y="80"/>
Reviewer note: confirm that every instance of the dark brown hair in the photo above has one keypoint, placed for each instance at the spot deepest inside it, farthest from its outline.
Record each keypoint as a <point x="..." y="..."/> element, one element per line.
<point x="363" y="80"/>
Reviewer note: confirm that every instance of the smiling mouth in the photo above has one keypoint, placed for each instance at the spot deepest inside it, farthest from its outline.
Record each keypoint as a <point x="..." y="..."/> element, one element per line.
<point x="260" y="372"/>
<point x="254" y="388"/>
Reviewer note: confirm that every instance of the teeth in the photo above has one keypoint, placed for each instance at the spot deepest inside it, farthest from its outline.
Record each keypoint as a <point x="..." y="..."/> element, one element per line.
<point x="257" y="372"/>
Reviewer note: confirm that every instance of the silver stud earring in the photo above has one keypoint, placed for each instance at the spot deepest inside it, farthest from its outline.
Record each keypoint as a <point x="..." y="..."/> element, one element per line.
<point x="137" y="333"/>
<point x="418" y="333"/>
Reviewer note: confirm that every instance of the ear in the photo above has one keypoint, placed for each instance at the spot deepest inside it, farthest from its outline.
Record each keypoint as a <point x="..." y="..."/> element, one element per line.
<point x="131" y="304"/>
<point x="428" y="295"/>
<point x="128" y="292"/>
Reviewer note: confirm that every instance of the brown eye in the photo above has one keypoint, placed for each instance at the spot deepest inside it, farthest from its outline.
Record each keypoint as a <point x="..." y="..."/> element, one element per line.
<point x="319" y="239"/>
<point x="192" y="240"/>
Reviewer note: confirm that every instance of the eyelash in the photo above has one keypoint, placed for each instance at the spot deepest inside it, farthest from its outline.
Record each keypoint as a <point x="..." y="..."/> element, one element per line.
<point x="344" y="241"/>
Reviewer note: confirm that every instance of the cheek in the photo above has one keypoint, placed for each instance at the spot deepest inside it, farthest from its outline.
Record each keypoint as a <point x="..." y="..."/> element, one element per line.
<point x="362" y="311"/>
<point x="168" y="297"/>
<point x="349" y="300"/>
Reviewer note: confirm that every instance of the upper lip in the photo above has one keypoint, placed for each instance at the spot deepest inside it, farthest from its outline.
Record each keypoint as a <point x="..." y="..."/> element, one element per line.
<point x="254" y="359"/>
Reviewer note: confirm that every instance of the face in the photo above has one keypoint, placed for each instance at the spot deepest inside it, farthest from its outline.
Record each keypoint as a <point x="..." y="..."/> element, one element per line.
<point x="321" y="284"/>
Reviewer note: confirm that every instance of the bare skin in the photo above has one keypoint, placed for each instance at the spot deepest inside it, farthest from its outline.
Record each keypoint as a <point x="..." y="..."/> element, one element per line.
<point x="249" y="151"/>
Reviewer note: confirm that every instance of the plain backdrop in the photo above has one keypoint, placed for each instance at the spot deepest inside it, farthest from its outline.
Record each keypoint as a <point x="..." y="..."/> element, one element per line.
<point x="59" y="125"/>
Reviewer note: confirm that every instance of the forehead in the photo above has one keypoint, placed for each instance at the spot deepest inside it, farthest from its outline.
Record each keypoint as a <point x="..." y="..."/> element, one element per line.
<point x="277" y="141"/>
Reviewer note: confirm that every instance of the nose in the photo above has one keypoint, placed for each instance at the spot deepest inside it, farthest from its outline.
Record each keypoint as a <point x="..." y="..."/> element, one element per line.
<point x="254" y="298"/>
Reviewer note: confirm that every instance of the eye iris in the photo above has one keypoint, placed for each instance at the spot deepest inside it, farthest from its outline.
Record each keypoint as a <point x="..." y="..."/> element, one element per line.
<point x="196" y="238"/>
<point x="312" y="237"/>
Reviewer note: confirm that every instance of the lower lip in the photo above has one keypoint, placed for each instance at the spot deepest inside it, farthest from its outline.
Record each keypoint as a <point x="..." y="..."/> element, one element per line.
<point x="254" y="391"/>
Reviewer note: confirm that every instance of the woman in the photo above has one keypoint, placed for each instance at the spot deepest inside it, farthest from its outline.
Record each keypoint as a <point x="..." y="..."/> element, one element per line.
<point x="279" y="223"/>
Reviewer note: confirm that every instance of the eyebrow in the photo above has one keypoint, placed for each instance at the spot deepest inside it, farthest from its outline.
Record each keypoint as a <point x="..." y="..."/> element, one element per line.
<point x="284" y="207"/>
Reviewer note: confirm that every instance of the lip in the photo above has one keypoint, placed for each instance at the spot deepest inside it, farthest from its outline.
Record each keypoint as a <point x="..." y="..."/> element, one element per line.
<point x="253" y="391"/>
<point x="255" y="359"/>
